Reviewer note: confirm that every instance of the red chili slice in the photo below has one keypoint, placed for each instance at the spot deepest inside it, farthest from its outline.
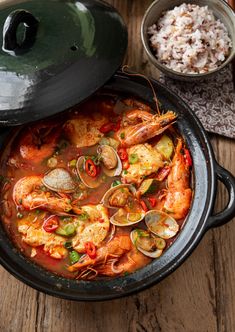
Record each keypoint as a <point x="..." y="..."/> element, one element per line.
<point x="51" y="224"/>
<point x="90" y="249"/>
<point x="91" y="168"/>
<point x="122" y="154"/>
<point x="152" y="201"/>
<point x="163" y="173"/>
<point x="188" y="158"/>
<point x="125" y="164"/>
<point x="144" y="206"/>
<point x="106" y="128"/>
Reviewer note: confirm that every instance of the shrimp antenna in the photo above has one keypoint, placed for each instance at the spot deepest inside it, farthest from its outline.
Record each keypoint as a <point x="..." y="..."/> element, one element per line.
<point x="125" y="70"/>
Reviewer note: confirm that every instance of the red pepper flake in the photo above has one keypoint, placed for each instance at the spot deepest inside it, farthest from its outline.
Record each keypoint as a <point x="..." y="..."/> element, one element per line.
<point x="91" y="168"/>
<point x="90" y="249"/>
<point x="51" y="224"/>
<point x="110" y="126"/>
<point x="107" y="127"/>
<point x="125" y="165"/>
<point x="123" y="154"/>
<point x="163" y="173"/>
<point x="188" y="158"/>
<point x="144" y="206"/>
<point x="152" y="201"/>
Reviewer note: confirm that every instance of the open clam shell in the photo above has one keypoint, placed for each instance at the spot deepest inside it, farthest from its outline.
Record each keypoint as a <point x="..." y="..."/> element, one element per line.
<point x="111" y="163"/>
<point x="121" y="196"/>
<point x="60" y="180"/>
<point x="161" y="224"/>
<point x="123" y="218"/>
<point x="88" y="181"/>
<point x="147" y="243"/>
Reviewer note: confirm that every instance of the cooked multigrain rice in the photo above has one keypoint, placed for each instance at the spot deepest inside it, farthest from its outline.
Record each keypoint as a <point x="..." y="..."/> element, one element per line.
<point x="189" y="39"/>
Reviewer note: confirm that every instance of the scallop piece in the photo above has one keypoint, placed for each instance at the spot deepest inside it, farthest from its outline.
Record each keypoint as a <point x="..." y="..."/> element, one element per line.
<point x="161" y="224"/>
<point x="88" y="181"/>
<point x="147" y="243"/>
<point x="111" y="163"/>
<point x="123" y="218"/>
<point x="117" y="196"/>
<point x="59" y="180"/>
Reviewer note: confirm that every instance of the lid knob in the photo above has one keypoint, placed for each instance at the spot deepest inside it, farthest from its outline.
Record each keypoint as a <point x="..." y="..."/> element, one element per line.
<point x="14" y="19"/>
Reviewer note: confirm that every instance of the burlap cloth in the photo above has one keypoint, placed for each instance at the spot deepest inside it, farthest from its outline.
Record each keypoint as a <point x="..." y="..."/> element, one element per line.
<point x="212" y="100"/>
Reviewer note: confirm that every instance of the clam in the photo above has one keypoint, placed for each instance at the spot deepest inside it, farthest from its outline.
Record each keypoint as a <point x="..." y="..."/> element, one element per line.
<point x="109" y="141"/>
<point x="161" y="224"/>
<point x="122" y="197"/>
<point x="112" y="165"/>
<point x="123" y="218"/>
<point x="88" y="181"/>
<point x="118" y="196"/>
<point x="147" y="243"/>
<point x="59" y="180"/>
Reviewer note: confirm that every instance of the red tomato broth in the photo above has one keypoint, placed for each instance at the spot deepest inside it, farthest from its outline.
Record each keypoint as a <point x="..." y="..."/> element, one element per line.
<point x="14" y="167"/>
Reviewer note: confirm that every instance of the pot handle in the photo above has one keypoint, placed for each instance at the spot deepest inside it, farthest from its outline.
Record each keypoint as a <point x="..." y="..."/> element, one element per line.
<point x="228" y="213"/>
<point x="12" y="22"/>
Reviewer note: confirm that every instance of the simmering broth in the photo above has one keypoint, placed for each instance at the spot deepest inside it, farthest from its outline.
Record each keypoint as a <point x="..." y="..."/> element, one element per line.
<point x="100" y="191"/>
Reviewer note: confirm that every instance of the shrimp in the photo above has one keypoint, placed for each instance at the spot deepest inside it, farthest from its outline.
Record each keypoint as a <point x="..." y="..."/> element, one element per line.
<point x="135" y="116"/>
<point x="133" y="103"/>
<point x="132" y="115"/>
<point x="128" y="263"/>
<point x="29" y="194"/>
<point x="178" y="196"/>
<point x="39" y="142"/>
<point x="141" y="132"/>
<point x="105" y="258"/>
<point x="134" y="260"/>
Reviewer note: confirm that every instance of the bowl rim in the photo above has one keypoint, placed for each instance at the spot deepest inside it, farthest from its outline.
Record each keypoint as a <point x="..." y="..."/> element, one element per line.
<point x="170" y="71"/>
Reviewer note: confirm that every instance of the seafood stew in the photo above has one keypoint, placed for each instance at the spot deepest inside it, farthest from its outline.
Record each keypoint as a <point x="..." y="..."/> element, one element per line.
<point x="101" y="192"/>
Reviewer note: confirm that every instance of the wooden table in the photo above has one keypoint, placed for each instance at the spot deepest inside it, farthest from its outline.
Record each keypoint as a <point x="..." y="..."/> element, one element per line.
<point x="199" y="296"/>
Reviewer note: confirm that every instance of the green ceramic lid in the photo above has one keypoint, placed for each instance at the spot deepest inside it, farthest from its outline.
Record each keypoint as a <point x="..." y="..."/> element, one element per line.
<point x="55" y="54"/>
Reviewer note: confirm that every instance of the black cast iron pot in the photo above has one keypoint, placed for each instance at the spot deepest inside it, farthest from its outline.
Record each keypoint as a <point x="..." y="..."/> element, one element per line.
<point x="200" y="219"/>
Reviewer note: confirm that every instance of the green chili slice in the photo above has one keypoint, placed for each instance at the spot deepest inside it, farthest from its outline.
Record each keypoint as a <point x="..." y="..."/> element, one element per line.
<point x="74" y="257"/>
<point x="67" y="230"/>
<point x="133" y="158"/>
<point x="84" y="216"/>
<point x="116" y="183"/>
<point x="68" y="245"/>
<point x="60" y="231"/>
<point x="73" y="163"/>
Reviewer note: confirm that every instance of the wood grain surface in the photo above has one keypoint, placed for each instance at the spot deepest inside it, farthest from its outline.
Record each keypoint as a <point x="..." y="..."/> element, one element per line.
<point x="198" y="297"/>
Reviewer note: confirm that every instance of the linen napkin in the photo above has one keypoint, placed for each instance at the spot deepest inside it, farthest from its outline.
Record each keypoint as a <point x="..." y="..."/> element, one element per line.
<point x="213" y="100"/>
